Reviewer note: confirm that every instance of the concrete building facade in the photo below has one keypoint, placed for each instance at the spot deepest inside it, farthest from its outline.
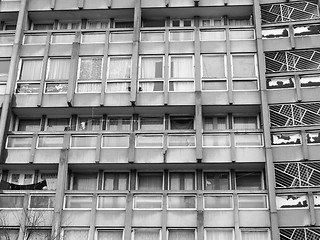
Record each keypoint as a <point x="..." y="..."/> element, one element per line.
<point x="160" y="119"/>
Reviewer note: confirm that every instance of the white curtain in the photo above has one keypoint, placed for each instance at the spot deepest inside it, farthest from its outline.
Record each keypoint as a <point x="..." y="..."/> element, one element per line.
<point x="254" y="235"/>
<point x="119" y="68"/>
<point x="181" y="234"/>
<point x="211" y="123"/>
<point x="59" y="69"/>
<point x="244" y="66"/>
<point x="84" y="181"/>
<point x="31" y="70"/>
<point x="146" y="234"/>
<point x="150" y="181"/>
<point x="118" y="86"/>
<point x="245" y="123"/>
<point x="181" y="67"/>
<point x="115" y="181"/>
<point x="90" y="69"/>
<point x="151" y="67"/>
<point x="213" y="66"/>
<point x="181" y="86"/>
<point x="216" y="140"/>
<point x="182" y="181"/>
<point x="110" y="235"/>
<point x="219" y="234"/>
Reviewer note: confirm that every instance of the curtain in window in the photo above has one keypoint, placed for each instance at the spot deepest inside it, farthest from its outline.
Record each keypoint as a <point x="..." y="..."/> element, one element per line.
<point x="182" y="181"/>
<point x="31" y="70"/>
<point x="213" y="66"/>
<point x="254" y="235"/>
<point x="110" y="235"/>
<point x="243" y="66"/>
<point x="4" y="70"/>
<point x="245" y="123"/>
<point x="150" y="181"/>
<point x="84" y="182"/>
<point x="151" y="67"/>
<point x="75" y="234"/>
<point x="119" y="68"/>
<point x="59" y="69"/>
<point x="219" y="234"/>
<point x="215" y="123"/>
<point x="181" y="67"/>
<point x="146" y="234"/>
<point x="147" y="86"/>
<point x="118" y="86"/>
<point x="30" y="125"/>
<point x="181" y="234"/>
<point x="90" y="68"/>
<point x="116" y="181"/>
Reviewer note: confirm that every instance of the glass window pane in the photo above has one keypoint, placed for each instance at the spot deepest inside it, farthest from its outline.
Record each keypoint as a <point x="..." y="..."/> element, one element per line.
<point x="215" y="123"/>
<point x="275" y="33"/>
<point x="243" y="140"/>
<point x="90" y="69"/>
<point x="182" y="181"/>
<point x="84" y="141"/>
<point x="78" y="202"/>
<point x="89" y="124"/>
<point x="152" y="36"/>
<point x="244" y="66"/>
<point x="148" y="202"/>
<point x="181" y="36"/>
<point x="181" y="141"/>
<point x="313" y="137"/>
<point x="39" y="234"/>
<point x="93" y="38"/>
<point x="151" y="123"/>
<point x="119" y="124"/>
<point x="110" y="234"/>
<point x="151" y="67"/>
<point x="121" y="37"/>
<point x="208" y="85"/>
<point x="62" y="38"/>
<point x="283" y="82"/>
<point x="119" y="68"/>
<point x="241" y="34"/>
<point x="83" y="181"/>
<point x="252" y="201"/>
<point x="11" y="201"/>
<point x="213" y="66"/>
<point x="150" y="181"/>
<point x="245" y="123"/>
<point x="116" y="181"/>
<point x="58" y="69"/>
<point x="219" y="234"/>
<point x="218" y="140"/>
<point x="181" y="123"/>
<point x="30" y="69"/>
<point x="310" y="81"/>
<point x="285" y="138"/>
<point x="179" y="234"/>
<point x="217" y="202"/>
<point x="244" y="85"/>
<point x="29" y="125"/>
<point x="181" y="67"/>
<point x="149" y="141"/>
<point x="56" y="87"/>
<point x="248" y="181"/>
<point x="42" y="201"/>
<point x="28" y="87"/>
<point x="291" y="201"/>
<point x="121" y="141"/>
<point x="216" y="181"/>
<point x="146" y="234"/>
<point x="181" y="86"/>
<point x="4" y="70"/>
<point x="75" y="234"/>
<point x="50" y="141"/>
<point x="19" y="142"/>
<point x="213" y="35"/>
<point x="6" y="39"/>
<point x="35" y="39"/>
<point x="113" y="202"/>
<point x="57" y="124"/>
<point x="181" y="202"/>
<point x="250" y="235"/>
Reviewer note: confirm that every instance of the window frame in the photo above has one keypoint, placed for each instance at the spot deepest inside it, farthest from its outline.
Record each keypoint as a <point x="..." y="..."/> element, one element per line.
<point x="163" y="32"/>
<point x="47" y="135"/>
<point x="81" y="136"/>
<point x="41" y="195"/>
<point x="21" y="176"/>
<point x="76" y="195"/>
<point x="153" y="172"/>
<point x="128" y="180"/>
<point x="96" y="232"/>
<point x="215" y="171"/>
<point x="112" y="208"/>
<point x="218" y="195"/>
<point x="145" y="208"/>
<point x="120" y="32"/>
<point x="250" y="196"/>
<point x="180" y="172"/>
<point x="115" y="135"/>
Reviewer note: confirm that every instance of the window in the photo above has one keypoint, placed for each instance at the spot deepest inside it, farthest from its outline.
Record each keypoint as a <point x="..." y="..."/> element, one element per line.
<point x="93" y="37"/>
<point x="84" y="141"/>
<point x="146" y="233"/>
<point x="89" y="75"/>
<point x="30" y="76"/>
<point x="9" y="234"/>
<point x="285" y="138"/>
<point x="151" y="123"/>
<point x="216" y="181"/>
<point x="47" y="141"/>
<point x="21" y="178"/>
<point x="117" y="141"/>
<point x="119" y="124"/>
<point x="150" y="181"/>
<point x="247" y="122"/>
<point x="218" y="202"/>
<point x="292" y="201"/>
<point x="78" y="202"/>
<point x="151" y="74"/>
<point x="180" y="141"/>
<point x="181" y="36"/>
<point x="149" y="141"/>
<point x="241" y="21"/>
<point x="310" y="81"/>
<point x="178" y="234"/>
<point x="57" y="75"/>
<point x="111" y="202"/>
<point x="254" y="234"/>
<point x="51" y="179"/>
<point x="275" y="32"/>
<point x="42" y="26"/>
<point x="119" y="74"/>
<point x="218" y="233"/>
<point x="216" y="140"/>
<point x="35" y="39"/>
<point x="93" y="24"/>
<point x="42" y="201"/>
<point x="123" y="24"/>
<point x="153" y="23"/>
<point x="36" y="234"/>
<point x="212" y="22"/>
<point x="89" y="124"/>
<point x="83" y="181"/>
<point x="181" y="23"/>
<point x="111" y="234"/>
<point x="79" y="234"/>
<point x="152" y="36"/>
<point x="280" y="82"/>
<point x="313" y="137"/>
<point x="147" y="202"/>
<point x="248" y="140"/>
<point x="252" y="201"/>
<point x="182" y="181"/>
<point x="181" y="123"/>
<point x="306" y="30"/>
<point x="22" y="142"/>
<point x="7" y="201"/>
<point x="177" y="202"/>
<point x="57" y="124"/>
<point x="121" y="37"/>
<point x="214" y="72"/>
<point x="65" y="38"/>
<point x="69" y="25"/>
<point x="249" y="181"/>
<point x="116" y="181"/>
<point x="181" y="74"/>
<point x="242" y="34"/>
<point x="213" y="35"/>
<point x="4" y="72"/>
<point x="215" y="123"/>
<point x="244" y="72"/>
<point x="29" y="125"/>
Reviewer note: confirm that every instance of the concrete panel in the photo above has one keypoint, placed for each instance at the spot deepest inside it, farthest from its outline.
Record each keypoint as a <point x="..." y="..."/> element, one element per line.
<point x="114" y="155"/>
<point x="150" y="98"/>
<point x="120" y="49"/>
<point x="149" y="155"/>
<point x="96" y="4"/>
<point x="213" y="47"/>
<point x="181" y="47"/>
<point x="210" y="155"/>
<point x="117" y="99"/>
<point x="243" y="46"/>
<point x="6" y="50"/>
<point x="75" y="218"/>
<point x="246" y="97"/>
<point x="9" y="6"/>
<point x="36" y="5"/>
<point x="181" y="98"/>
<point x="81" y="155"/>
<point x="112" y="218"/>
<point x="294" y="217"/>
<point x="60" y="50"/>
<point x="122" y="4"/>
<point x="91" y="49"/>
<point x="64" y="5"/>
<point x="215" y="98"/>
<point x="276" y="44"/>
<point x="303" y="42"/>
<point x="314" y="151"/>
<point x="152" y="48"/>
<point x="287" y="153"/>
<point x="179" y="218"/>
<point x="310" y="94"/>
<point x="25" y="100"/>
<point x="145" y="218"/>
<point x="282" y="95"/>
<point x="218" y="218"/>
<point x="254" y="218"/>
<point x="54" y="100"/>
<point x="47" y="156"/>
<point x="18" y="155"/>
<point x="181" y="155"/>
<point x="181" y="3"/>
<point x="32" y="50"/>
<point x="86" y="99"/>
<point x="153" y="3"/>
<point x="249" y="154"/>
